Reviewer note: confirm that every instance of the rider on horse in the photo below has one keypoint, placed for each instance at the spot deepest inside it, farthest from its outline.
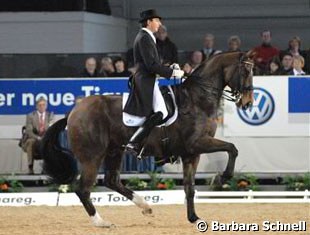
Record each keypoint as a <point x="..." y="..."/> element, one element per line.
<point x="145" y="99"/>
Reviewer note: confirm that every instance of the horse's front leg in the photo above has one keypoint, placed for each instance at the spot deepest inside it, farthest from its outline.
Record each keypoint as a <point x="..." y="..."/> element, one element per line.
<point x="208" y="144"/>
<point x="190" y="164"/>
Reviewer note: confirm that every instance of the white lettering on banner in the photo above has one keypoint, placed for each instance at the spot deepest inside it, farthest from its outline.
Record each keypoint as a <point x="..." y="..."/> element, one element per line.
<point x="88" y="90"/>
<point x="95" y="90"/>
<point x="27" y="96"/>
<point x="53" y="99"/>
<point x="68" y="99"/>
<point x="28" y="199"/>
<point x="41" y="95"/>
<point x="116" y="199"/>
<point x="6" y="99"/>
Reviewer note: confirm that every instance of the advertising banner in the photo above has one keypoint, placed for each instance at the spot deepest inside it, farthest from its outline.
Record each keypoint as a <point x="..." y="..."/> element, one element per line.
<point x="28" y="199"/>
<point x="18" y="97"/>
<point x="281" y="108"/>
<point x="116" y="199"/>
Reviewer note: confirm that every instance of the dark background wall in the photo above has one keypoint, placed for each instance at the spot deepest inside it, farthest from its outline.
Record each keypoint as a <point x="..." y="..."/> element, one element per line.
<point x="189" y="20"/>
<point x="98" y="6"/>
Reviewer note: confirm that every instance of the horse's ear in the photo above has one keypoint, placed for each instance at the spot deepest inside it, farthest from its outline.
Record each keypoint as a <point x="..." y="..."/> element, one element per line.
<point x="251" y="54"/>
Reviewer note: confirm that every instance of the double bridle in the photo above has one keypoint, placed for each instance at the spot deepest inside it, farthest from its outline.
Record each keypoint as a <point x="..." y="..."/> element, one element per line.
<point x="235" y="95"/>
<point x="230" y="95"/>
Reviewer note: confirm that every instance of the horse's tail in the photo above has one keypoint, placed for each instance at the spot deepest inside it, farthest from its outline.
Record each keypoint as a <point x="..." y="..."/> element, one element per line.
<point x="59" y="163"/>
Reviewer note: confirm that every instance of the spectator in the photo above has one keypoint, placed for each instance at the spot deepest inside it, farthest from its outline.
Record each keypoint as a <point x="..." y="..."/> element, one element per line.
<point x="196" y="59"/>
<point x="287" y="64"/>
<point x="167" y="50"/>
<point x="298" y="65"/>
<point x="90" y="69"/>
<point x="208" y="47"/>
<point x="107" y="67"/>
<point x="234" y="43"/>
<point x="265" y="52"/>
<point x="294" y="47"/>
<point x="120" y="68"/>
<point x="37" y="123"/>
<point x="274" y="67"/>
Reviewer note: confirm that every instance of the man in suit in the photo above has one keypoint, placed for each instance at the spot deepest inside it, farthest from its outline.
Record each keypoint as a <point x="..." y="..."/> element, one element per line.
<point x="37" y="123"/>
<point x="208" y="47"/>
<point x="145" y="98"/>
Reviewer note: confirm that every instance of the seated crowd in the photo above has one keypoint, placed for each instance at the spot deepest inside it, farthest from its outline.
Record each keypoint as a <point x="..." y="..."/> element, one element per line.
<point x="269" y="59"/>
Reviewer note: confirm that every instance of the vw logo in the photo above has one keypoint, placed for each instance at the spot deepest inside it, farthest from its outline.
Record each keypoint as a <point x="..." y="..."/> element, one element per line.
<point x="262" y="109"/>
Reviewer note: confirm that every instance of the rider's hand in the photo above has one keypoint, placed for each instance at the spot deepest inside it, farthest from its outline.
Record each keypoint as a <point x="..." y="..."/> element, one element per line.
<point x="175" y="66"/>
<point x="177" y="73"/>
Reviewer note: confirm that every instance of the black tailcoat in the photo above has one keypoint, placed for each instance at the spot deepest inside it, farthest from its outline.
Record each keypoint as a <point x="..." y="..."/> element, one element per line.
<point x="147" y="65"/>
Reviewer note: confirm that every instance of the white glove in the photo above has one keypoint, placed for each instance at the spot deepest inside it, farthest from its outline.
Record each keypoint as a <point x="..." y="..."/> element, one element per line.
<point x="177" y="73"/>
<point x="175" y="66"/>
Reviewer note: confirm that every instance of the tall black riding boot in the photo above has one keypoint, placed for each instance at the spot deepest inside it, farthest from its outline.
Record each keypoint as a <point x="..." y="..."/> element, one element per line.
<point x="134" y="145"/>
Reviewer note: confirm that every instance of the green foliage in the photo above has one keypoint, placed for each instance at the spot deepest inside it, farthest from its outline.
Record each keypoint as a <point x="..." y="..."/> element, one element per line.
<point x="240" y="182"/>
<point x="297" y="183"/>
<point x="136" y="184"/>
<point x="155" y="183"/>
<point x="10" y="186"/>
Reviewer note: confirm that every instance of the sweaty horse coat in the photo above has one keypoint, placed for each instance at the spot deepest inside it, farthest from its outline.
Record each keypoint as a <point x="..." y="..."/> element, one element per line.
<point x="147" y="63"/>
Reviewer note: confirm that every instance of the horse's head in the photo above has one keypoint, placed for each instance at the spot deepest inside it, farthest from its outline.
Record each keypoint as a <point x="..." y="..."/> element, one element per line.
<point x="241" y="81"/>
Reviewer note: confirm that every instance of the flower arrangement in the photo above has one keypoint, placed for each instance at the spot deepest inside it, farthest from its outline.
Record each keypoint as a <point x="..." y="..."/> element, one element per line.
<point x="297" y="183"/>
<point x="136" y="184"/>
<point x="155" y="183"/>
<point x="240" y="182"/>
<point x="10" y="186"/>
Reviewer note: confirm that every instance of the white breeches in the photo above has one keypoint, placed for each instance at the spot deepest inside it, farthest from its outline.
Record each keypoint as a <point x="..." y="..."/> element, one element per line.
<point x="158" y="101"/>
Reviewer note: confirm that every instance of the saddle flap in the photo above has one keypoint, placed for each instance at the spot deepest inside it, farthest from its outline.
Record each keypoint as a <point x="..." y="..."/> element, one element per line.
<point x="168" y="95"/>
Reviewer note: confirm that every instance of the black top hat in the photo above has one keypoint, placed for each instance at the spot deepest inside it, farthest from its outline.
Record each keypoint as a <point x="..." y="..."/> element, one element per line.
<point x="148" y="14"/>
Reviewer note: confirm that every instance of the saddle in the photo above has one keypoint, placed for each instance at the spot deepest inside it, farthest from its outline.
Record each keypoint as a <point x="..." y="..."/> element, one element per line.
<point x="168" y="95"/>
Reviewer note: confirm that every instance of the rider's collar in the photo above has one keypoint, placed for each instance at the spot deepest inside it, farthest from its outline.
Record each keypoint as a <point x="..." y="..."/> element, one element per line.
<point x="150" y="33"/>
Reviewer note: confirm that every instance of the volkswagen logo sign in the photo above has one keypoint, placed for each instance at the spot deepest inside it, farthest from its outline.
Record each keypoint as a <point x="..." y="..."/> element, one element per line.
<point x="262" y="109"/>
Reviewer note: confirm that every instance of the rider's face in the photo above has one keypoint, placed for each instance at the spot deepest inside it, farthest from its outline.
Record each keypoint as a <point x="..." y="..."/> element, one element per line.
<point x="154" y="24"/>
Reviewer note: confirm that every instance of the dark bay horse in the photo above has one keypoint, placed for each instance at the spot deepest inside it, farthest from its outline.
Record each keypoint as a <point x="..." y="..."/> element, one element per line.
<point x="96" y="133"/>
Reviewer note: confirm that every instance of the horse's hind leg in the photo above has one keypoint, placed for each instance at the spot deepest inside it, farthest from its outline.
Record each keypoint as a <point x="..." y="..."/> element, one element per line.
<point x="86" y="182"/>
<point x="112" y="181"/>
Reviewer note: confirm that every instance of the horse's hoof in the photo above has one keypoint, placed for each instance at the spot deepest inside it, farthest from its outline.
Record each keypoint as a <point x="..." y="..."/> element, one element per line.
<point x="193" y="218"/>
<point x="148" y="212"/>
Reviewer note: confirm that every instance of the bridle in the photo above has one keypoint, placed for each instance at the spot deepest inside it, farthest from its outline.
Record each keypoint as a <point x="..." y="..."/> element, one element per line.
<point x="230" y="95"/>
<point x="236" y="94"/>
